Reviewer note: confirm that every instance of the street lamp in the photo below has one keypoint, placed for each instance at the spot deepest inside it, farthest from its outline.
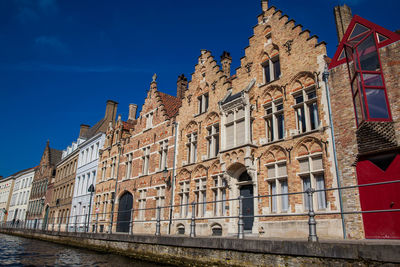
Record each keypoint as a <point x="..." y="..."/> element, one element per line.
<point x="165" y="177"/>
<point x="91" y="190"/>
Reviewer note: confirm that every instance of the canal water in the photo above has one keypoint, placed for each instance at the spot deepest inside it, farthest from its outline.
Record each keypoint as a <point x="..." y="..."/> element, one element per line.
<point x="18" y="251"/>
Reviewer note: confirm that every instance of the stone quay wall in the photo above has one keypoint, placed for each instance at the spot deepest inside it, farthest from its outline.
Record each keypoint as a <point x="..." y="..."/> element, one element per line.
<point x="218" y="251"/>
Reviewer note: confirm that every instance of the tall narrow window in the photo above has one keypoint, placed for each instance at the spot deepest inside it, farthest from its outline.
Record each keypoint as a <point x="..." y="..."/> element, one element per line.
<point x="306" y="110"/>
<point x="235" y="128"/>
<point x="146" y="160"/>
<point x="149" y="120"/>
<point x="200" y="193"/>
<point x="191" y="146"/>
<point x="163" y="155"/>
<point x="113" y="167"/>
<point x="277" y="179"/>
<point x="272" y="69"/>
<point x="184" y="198"/>
<point x="142" y="203"/>
<point x="203" y="103"/>
<point x="212" y="140"/>
<point x="312" y="175"/>
<point x="160" y="199"/>
<point x="274" y="120"/>
<point x="129" y="165"/>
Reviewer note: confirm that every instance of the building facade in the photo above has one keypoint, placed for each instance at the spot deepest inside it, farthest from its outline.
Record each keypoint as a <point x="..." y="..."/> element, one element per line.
<point x="261" y="132"/>
<point x="6" y="187"/>
<point x="364" y="85"/>
<point x="44" y="176"/>
<point x="20" y="195"/>
<point x="85" y="180"/>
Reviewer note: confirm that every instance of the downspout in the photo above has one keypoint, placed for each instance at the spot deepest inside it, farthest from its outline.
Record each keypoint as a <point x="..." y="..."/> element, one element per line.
<point x="115" y="189"/>
<point x="325" y="76"/>
<point x="173" y="178"/>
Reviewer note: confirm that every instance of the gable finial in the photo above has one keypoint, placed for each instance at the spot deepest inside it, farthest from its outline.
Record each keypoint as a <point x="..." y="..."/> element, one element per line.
<point x="154" y="77"/>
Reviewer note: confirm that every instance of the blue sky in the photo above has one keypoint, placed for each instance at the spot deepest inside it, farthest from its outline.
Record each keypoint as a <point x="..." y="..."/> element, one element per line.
<point x="61" y="60"/>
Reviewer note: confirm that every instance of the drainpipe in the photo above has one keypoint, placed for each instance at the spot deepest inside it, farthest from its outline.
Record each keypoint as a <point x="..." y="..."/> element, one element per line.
<point x="173" y="178"/>
<point x="325" y="76"/>
<point x="115" y="189"/>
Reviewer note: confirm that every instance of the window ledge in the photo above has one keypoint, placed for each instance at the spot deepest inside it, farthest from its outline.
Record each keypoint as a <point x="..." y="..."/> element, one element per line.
<point x="274" y="142"/>
<point x="308" y="132"/>
<point x="268" y="83"/>
<point x="199" y="114"/>
<point x="207" y="159"/>
<point x="236" y="147"/>
<point x="188" y="164"/>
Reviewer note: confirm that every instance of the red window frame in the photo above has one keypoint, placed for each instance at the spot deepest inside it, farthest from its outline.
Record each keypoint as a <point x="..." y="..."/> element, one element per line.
<point x="359" y="90"/>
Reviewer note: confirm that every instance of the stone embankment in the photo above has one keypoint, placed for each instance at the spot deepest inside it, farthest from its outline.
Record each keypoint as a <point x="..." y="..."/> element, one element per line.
<point x="218" y="251"/>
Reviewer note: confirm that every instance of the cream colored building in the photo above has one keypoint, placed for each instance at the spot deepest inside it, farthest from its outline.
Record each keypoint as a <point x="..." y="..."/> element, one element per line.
<point x="6" y="187"/>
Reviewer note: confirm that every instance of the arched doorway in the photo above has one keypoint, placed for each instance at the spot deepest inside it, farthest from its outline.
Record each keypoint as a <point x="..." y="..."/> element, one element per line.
<point x="247" y="192"/>
<point x="46" y="216"/>
<point x="124" y="212"/>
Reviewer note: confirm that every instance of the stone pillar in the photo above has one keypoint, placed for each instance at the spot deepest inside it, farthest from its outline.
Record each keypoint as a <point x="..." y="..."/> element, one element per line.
<point x="226" y="61"/>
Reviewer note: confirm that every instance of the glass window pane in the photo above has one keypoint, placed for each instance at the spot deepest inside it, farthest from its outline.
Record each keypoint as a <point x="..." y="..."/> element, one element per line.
<point x="267" y="72"/>
<point x="356" y="40"/>
<point x="271" y="171"/>
<point x="277" y="68"/>
<point x="377" y="105"/>
<point x="314" y="120"/>
<point x="358" y="29"/>
<point x="284" y="198"/>
<point x="304" y="167"/>
<point x="321" y="194"/>
<point x="342" y="55"/>
<point x="273" y="198"/>
<point x="281" y="126"/>
<point x="317" y="163"/>
<point x="381" y="38"/>
<point x="240" y="132"/>
<point x="372" y="79"/>
<point x="368" y="54"/>
<point x="282" y="169"/>
<point x="306" y="185"/>
<point x="299" y="99"/>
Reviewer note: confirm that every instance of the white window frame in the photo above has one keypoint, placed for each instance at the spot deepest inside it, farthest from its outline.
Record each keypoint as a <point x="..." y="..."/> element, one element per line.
<point x="191" y="146"/>
<point x="146" y="160"/>
<point x="160" y="199"/>
<point x="200" y="192"/>
<point x="184" y="198"/>
<point x="163" y="164"/>
<point x="149" y="120"/>
<point x="220" y="189"/>
<point x="203" y="102"/>
<point x="213" y="140"/>
<point x="304" y="109"/>
<point x="235" y="122"/>
<point x="314" y="175"/>
<point x="277" y="203"/>
<point x="271" y="118"/>
<point x="142" y="203"/>
<point x="129" y="165"/>
<point x="270" y="63"/>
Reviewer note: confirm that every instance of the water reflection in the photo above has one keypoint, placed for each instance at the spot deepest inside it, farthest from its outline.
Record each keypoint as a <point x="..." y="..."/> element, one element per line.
<point x="17" y="251"/>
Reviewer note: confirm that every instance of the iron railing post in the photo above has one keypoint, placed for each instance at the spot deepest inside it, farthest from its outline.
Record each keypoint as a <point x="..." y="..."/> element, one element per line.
<point x="59" y="224"/>
<point x="111" y="223"/>
<point x="52" y="225"/>
<point x="66" y="229"/>
<point x="76" y="221"/>
<point x="193" y="221"/>
<point x="312" y="224"/>
<point x="158" y="224"/>
<point x="97" y="223"/>
<point x="240" y="221"/>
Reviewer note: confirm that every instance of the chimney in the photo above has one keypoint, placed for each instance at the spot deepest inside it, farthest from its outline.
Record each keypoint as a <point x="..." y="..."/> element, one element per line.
<point x="132" y="112"/>
<point x="84" y="128"/>
<point x="226" y="61"/>
<point x="111" y="110"/>
<point x="343" y="17"/>
<point x="264" y="5"/>
<point x="181" y="86"/>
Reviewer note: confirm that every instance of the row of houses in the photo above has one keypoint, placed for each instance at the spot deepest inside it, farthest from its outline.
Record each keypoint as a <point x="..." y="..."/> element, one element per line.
<point x="266" y="145"/>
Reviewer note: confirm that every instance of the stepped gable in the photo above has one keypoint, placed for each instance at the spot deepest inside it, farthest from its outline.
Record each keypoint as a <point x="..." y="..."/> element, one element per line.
<point x="55" y="156"/>
<point x="171" y="104"/>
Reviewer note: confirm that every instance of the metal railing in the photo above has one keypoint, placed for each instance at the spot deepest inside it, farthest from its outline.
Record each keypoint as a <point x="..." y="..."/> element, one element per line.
<point x="107" y="222"/>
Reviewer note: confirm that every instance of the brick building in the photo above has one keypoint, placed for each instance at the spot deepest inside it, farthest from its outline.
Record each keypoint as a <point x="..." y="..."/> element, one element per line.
<point x="44" y="176"/>
<point x="262" y="131"/>
<point x="143" y="148"/>
<point x="364" y="85"/>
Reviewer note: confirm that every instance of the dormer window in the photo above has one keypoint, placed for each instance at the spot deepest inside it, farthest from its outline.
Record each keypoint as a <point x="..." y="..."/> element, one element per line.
<point x="203" y="103"/>
<point x="272" y="69"/>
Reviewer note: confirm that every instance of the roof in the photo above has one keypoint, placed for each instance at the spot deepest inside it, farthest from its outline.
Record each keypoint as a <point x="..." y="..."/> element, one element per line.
<point x="25" y="170"/>
<point x="171" y="104"/>
<point x="232" y="97"/>
<point x="94" y="129"/>
<point x="55" y="156"/>
<point x="362" y="26"/>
